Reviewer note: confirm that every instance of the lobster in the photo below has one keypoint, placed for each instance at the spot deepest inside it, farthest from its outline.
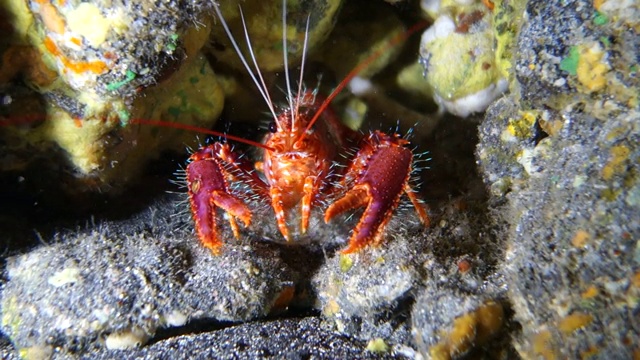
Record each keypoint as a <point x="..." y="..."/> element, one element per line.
<point x="298" y="167"/>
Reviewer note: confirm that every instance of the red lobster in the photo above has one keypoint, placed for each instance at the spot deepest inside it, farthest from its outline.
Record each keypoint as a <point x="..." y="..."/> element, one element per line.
<point x="297" y="158"/>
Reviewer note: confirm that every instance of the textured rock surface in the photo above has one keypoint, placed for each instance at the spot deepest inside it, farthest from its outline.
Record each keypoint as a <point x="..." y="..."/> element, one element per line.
<point x="366" y="293"/>
<point x="458" y="53"/>
<point x="284" y="339"/>
<point x="95" y="67"/>
<point x="572" y="200"/>
<point x="115" y="280"/>
<point x="92" y="45"/>
<point x="452" y="324"/>
<point x="566" y="157"/>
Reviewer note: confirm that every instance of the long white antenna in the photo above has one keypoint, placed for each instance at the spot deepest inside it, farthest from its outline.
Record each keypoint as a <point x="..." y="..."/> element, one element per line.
<point x="255" y="63"/>
<point x="286" y="60"/>
<point x="304" y="55"/>
<point x="263" y="91"/>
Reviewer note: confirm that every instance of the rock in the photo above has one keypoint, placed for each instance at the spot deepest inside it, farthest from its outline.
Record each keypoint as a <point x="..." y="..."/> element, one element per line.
<point x="591" y="55"/>
<point x="284" y="338"/>
<point x="94" y="45"/>
<point x="563" y="257"/>
<point x="97" y="68"/>
<point x="449" y="325"/>
<point x="120" y="284"/>
<point x="564" y="158"/>
<point x="151" y="279"/>
<point x="362" y="293"/>
<point x="459" y="60"/>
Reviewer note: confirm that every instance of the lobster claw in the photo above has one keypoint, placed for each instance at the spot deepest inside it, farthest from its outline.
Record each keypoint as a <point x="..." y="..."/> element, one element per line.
<point x="380" y="173"/>
<point x="207" y="190"/>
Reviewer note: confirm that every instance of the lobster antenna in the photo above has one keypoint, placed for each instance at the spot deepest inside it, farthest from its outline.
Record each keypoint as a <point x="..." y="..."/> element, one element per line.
<point x="286" y="60"/>
<point x="304" y="55"/>
<point x="255" y="63"/>
<point x="263" y="92"/>
<point x="199" y="130"/>
<point x="353" y="73"/>
<point x="23" y="120"/>
<point x="31" y="118"/>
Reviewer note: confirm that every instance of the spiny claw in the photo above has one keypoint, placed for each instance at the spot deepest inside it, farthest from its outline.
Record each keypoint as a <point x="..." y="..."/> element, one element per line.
<point x="208" y="190"/>
<point x="380" y="179"/>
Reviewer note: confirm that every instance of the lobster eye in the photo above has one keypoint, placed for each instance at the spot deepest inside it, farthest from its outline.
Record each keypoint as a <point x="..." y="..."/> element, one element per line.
<point x="273" y="127"/>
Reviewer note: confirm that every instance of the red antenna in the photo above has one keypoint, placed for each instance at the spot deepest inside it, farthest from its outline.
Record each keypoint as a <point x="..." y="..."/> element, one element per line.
<point x="25" y="119"/>
<point x="353" y="73"/>
<point x="37" y="117"/>
<point x="199" y="130"/>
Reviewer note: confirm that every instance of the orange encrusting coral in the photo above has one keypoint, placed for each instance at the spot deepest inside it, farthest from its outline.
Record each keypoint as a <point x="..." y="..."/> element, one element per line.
<point x="76" y="41"/>
<point x="96" y="66"/>
<point x="489" y="4"/>
<point x="50" y="17"/>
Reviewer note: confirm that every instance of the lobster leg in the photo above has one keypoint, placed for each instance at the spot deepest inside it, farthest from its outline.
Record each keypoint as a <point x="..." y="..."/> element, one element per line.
<point x="380" y="172"/>
<point x="309" y="194"/>
<point x="278" y="208"/>
<point x="208" y="190"/>
<point x="418" y="205"/>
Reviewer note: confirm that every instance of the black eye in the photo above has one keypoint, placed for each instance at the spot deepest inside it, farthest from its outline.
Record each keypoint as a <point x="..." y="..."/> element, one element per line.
<point x="273" y="127"/>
